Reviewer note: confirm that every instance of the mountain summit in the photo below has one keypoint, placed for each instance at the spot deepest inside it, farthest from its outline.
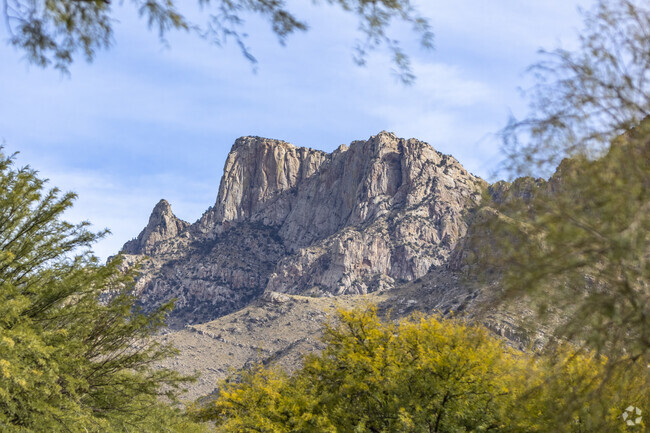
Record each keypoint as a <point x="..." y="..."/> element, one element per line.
<point x="162" y="225"/>
<point x="289" y="219"/>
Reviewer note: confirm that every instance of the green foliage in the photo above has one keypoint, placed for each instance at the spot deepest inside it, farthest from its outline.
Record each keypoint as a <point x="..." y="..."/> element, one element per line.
<point x="54" y="31"/>
<point x="577" y="247"/>
<point x="265" y="400"/>
<point x="419" y="375"/>
<point x="425" y="375"/>
<point x="67" y="361"/>
<point x="569" y="391"/>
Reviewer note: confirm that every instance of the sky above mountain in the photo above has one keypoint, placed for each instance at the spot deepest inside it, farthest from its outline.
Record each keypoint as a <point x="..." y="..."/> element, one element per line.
<point x="145" y="121"/>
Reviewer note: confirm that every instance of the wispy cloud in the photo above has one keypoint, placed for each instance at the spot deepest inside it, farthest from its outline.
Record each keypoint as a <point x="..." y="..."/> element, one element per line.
<point x="144" y="122"/>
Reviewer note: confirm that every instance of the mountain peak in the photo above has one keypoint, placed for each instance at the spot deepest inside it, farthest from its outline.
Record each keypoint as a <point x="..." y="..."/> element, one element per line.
<point x="163" y="225"/>
<point x="385" y="134"/>
<point x="295" y="220"/>
<point x="255" y="142"/>
<point x="162" y="208"/>
<point x="257" y="170"/>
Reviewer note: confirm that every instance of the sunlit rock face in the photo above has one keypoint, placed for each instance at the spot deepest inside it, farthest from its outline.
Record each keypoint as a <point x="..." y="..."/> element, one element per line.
<point x="163" y="225"/>
<point x="296" y="220"/>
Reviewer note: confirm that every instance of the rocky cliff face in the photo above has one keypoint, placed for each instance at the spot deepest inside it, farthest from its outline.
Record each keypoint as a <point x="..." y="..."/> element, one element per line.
<point x="295" y="220"/>
<point x="257" y="172"/>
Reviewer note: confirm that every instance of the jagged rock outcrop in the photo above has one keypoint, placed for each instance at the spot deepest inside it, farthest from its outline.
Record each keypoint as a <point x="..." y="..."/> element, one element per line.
<point x="385" y="211"/>
<point x="310" y="195"/>
<point x="257" y="171"/>
<point x="295" y="220"/>
<point x="163" y="225"/>
<point x="213" y="276"/>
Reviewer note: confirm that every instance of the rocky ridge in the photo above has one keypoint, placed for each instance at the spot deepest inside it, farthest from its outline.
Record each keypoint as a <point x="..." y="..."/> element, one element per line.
<point x="364" y="218"/>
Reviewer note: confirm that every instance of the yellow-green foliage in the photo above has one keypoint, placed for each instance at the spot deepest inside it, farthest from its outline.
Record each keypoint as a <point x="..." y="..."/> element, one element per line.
<point x="422" y="374"/>
<point x="565" y="391"/>
<point x="426" y="374"/>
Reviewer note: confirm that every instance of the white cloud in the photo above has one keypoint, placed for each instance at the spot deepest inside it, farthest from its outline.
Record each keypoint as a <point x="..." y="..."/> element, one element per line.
<point x="453" y="109"/>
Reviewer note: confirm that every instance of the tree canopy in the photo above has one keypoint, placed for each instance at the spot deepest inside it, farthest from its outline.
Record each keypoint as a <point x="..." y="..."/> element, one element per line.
<point x="54" y="32"/>
<point x="69" y="361"/>
<point x="583" y="99"/>
<point x="424" y="374"/>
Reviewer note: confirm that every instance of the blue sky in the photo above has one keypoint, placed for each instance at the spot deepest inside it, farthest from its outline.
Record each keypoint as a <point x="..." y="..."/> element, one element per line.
<point x="145" y="122"/>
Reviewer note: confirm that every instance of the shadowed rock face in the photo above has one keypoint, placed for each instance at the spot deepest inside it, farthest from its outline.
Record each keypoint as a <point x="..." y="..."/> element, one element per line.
<point x="295" y="220"/>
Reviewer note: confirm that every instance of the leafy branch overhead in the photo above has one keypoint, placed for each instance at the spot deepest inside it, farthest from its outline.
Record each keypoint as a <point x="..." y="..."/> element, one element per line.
<point x="55" y="32"/>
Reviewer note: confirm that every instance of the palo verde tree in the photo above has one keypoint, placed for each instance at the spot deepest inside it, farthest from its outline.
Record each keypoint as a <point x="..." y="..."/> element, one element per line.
<point x="69" y="362"/>
<point x="575" y="249"/>
<point x="422" y="375"/>
<point x="56" y="31"/>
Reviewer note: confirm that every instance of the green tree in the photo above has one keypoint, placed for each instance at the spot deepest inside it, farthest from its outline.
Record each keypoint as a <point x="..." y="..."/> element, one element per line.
<point x="426" y="374"/>
<point x="583" y="99"/>
<point x="55" y="31"/>
<point x="421" y="375"/>
<point x="69" y="362"/>
<point x="266" y="400"/>
<point x="580" y="243"/>
<point x="572" y="391"/>
<point x="576" y="247"/>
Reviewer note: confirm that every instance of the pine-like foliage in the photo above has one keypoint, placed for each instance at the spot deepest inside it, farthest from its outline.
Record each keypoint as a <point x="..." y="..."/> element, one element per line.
<point x="67" y="361"/>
